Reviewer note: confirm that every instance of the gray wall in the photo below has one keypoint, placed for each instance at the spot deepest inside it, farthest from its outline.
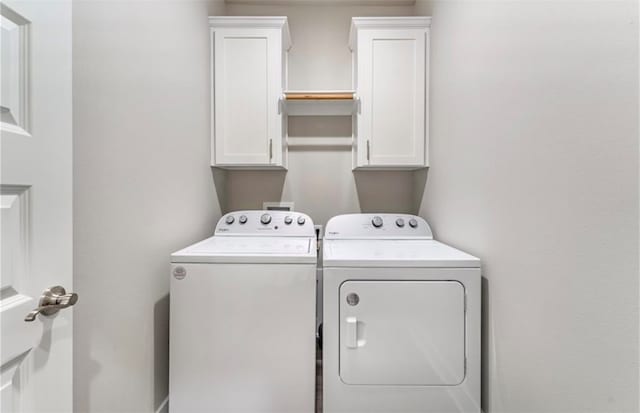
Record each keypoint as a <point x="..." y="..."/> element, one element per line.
<point x="535" y="169"/>
<point x="142" y="188"/>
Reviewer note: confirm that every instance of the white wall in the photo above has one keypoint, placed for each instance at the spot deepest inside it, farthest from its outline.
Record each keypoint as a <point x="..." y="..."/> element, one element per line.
<point x="320" y="181"/>
<point x="534" y="168"/>
<point x="143" y="188"/>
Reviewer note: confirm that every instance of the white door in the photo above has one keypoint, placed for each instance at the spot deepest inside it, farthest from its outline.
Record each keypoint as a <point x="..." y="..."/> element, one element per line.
<point x="402" y="332"/>
<point x="35" y="204"/>
<point x="247" y="84"/>
<point x="391" y="77"/>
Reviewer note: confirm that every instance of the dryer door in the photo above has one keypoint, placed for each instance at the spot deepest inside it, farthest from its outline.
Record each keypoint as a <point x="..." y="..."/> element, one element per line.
<point x="402" y="332"/>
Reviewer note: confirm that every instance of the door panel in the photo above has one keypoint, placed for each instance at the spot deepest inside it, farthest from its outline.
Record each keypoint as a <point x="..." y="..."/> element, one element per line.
<point x="256" y="350"/>
<point x="246" y="96"/>
<point x="402" y="332"/>
<point x="391" y="77"/>
<point x="35" y="204"/>
<point x="14" y="35"/>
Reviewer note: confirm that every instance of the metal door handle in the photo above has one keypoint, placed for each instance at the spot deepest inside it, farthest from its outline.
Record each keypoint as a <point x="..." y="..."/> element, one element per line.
<point x="52" y="300"/>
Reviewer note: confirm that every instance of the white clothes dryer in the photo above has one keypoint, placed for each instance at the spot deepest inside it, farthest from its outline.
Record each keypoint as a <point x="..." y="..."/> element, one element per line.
<point x="242" y="335"/>
<point x="402" y="317"/>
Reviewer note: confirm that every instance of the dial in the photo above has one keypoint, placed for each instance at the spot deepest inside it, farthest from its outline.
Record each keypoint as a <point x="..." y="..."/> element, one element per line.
<point x="288" y="220"/>
<point x="301" y="220"/>
<point x="376" y="221"/>
<point x="242" y="219"/>
<point x="400" y="222"/>
<point x="265" y="219"/>
<point x="413" y="223"/>
<point x="229" y="220"/>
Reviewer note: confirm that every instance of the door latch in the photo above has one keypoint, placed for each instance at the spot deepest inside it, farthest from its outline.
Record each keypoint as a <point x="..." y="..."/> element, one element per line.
<point x="52" y="300"/>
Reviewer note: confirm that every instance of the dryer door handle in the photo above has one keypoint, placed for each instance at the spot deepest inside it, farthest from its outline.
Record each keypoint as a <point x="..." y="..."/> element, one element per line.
<point x="351" y="332"/>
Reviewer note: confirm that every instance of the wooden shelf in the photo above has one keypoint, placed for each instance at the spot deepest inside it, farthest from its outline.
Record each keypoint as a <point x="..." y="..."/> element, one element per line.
<point x="318" y="95"/>
<point x="319" y="103"/>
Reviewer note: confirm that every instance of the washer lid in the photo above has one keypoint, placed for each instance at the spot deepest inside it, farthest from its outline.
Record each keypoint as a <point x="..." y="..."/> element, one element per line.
<point x="394" y="253"/>
<point x="249" y="250"/>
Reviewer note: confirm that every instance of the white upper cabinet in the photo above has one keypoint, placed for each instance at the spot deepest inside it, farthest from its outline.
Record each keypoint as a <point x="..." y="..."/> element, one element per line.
<point x="391" y="79"/>
<point x="248" y="61"/>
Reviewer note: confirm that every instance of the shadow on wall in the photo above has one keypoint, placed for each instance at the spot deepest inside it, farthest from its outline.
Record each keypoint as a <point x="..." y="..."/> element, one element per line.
<point x="484" y="351"/>
<point x="249" y="188"/>
<point x="419" y="184"/>
<point x="377" y="191"/>
<point x="385" y="191"/>
<point x="91" y="367"/>
<point x="220" y="182"/>
<point x="160" y="352"/>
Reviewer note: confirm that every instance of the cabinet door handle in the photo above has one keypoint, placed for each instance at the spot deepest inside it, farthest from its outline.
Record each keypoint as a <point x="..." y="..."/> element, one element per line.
<point x="368" y="150"/>
<point x="270" y="149"/>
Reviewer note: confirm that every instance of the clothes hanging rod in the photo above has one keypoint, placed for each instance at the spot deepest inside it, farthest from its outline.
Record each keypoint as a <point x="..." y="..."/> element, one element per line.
<point x="319" y="142"/>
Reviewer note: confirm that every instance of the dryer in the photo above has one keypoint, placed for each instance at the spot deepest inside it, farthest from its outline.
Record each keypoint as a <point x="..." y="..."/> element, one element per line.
<point x="242" y="329"/>
<point x="401" y="318"/>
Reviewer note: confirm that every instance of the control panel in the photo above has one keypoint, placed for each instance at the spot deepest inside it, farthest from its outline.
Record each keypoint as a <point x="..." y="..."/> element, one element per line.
<point x="269" y="223"/>
<point x="362" y="226"/>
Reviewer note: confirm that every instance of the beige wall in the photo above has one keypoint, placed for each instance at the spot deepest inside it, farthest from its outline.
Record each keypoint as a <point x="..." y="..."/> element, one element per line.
<point x="534" y="168"/>
<point x="142" y="188"/>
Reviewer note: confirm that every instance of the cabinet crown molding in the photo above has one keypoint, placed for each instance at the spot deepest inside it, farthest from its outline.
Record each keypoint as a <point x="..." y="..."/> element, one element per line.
<point x="275" y="22"/>
<point x="381" y="23"/>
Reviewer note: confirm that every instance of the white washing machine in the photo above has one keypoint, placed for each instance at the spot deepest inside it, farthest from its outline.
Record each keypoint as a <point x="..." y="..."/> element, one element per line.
<point x="243" y="317"/>
<point x="401" y="319"/>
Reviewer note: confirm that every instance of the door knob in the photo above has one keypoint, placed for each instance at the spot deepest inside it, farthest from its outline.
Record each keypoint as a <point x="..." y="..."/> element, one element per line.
<point x="52" y="300"/>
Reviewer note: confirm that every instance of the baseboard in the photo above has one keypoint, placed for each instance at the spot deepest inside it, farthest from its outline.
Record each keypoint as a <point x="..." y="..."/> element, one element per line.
<point x="164" y="406"/>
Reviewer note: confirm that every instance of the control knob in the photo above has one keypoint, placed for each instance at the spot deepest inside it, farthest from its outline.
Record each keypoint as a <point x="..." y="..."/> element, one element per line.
<point x="400" y="222"/>
<point x="413" y="223"/>
<point x="301" y="220"/>
<point x="229" y="220"/>
<point x="265" y="219"/>
<point x="288" y="220"/>
<point x="376" y="221"/>
<point x="242" y="219"/>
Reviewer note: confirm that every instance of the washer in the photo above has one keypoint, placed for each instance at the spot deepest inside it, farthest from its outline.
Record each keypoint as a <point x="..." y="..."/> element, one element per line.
<point x="243" y="317"/>
<point x="401" y="318"/>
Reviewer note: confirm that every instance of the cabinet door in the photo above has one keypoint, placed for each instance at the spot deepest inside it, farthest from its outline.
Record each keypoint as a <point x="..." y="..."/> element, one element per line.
<point x="247" y="84"/>
<point x="402" y="333"/>
<point x="391" y="83"/>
